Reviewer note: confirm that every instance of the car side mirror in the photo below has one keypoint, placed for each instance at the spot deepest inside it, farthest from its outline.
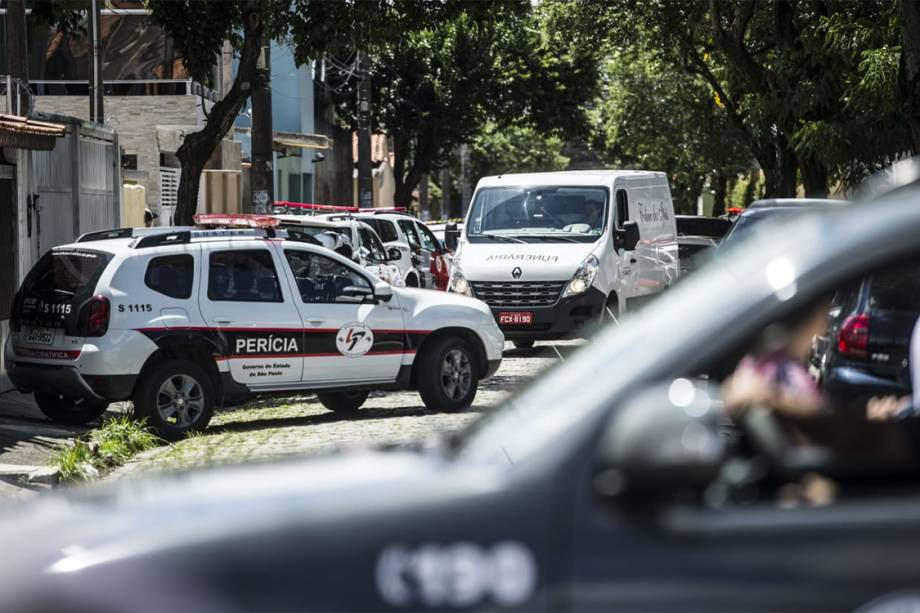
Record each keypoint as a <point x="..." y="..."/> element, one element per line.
<point x="383" y="291"/>
<point x="664" y="440"/>
<point x="357" y="291"/>
<point x="451" y="236"/>
<point x="394" y="254"/>
<point x="627" y="237"/>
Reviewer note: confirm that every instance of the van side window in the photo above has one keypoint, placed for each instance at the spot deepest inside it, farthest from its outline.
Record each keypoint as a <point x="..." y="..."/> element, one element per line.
<point x="622" y="208"/>
<point x="243" y="276"/>
<point x="171" y="275"/>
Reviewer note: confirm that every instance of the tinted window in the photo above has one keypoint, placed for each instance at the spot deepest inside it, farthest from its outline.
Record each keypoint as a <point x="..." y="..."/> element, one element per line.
<point x="370" y="242"/>
<point x="322" y="279"/>
<point x="384" y="229"/>
<point x="897" y="289"/>
<point x="409" y="228"/>
<point x="622" y="208"/>
<point x="429" y="240"/>
<point x="171" y="275"/>
<point x="243" y="276"/>
<point x="62" y="274"/>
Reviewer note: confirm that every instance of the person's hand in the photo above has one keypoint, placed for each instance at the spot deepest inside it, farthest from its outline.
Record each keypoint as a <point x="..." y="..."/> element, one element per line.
<point x="746" y="388"/>
<point x="886" y="408"/>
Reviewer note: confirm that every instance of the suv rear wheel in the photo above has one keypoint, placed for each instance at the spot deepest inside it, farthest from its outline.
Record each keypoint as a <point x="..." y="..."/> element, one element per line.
<point x="69" y="410"/>
<point x="447" y="374"/>
<point x="176" y="397"/>
<point x="523" y="344"/>
<point x="343" y="402"/>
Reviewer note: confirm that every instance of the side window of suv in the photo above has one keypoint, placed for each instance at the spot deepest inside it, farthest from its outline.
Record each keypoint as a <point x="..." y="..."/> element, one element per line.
<point x="384" y="228"/>
<point x="243" y="276"/>
<point x="171" y="275"/>
<point x="429" y="240"/>
<point x="409" y="228"/>
<point x="322" y="279"/>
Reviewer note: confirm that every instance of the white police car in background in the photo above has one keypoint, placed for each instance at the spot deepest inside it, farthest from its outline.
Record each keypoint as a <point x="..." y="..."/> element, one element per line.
<point x="178" y="319"/>
<point x="552" y="253"/>
<point x="363" y="244"/>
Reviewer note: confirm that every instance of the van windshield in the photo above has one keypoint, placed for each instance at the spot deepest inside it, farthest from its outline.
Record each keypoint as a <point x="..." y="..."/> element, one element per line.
<point x="534" y="214"/>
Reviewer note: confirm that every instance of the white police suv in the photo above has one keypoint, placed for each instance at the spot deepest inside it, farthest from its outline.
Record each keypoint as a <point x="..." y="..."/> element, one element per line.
<point x="178" y="319"/>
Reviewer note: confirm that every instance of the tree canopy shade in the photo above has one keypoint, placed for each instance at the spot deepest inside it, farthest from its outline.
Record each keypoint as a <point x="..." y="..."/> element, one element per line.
<point x="437" y="87"/>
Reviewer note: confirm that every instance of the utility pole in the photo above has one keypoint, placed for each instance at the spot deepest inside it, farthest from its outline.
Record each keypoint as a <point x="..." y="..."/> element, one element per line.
<point x="17" y="48"/>
<point x="445" y="193"/>
<point x="465" y="187"/>
<point x="365" y="178"/>
<point x="96" y="92"/>
<point x="262" y="172"/>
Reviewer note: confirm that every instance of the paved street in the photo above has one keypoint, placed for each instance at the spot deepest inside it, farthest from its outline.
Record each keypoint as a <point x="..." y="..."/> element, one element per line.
<point x="265" y="429"/>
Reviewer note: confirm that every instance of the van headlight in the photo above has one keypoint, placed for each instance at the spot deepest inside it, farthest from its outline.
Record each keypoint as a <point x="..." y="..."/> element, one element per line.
<point x="583" y="277"/>
<point x="458" y="283"/>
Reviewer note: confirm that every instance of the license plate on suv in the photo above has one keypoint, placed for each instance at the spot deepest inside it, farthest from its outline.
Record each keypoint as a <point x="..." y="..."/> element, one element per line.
<point x="40" y="336"/>
<point x="515" y="318"/>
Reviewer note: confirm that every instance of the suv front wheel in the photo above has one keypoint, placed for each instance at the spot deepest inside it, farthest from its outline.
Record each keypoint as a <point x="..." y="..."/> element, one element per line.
<point x="447" y="374"/>
<point x="176" y="397"/>
<point x="69" y="410"/>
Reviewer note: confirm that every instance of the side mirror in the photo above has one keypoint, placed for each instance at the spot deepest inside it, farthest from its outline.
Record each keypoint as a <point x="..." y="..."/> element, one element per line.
<point x="663" y="440"/>
<point x="451" y="236"/>
<point x="394" y="254"/>
<point x="357" y="291"/>
<point x="627" y="237"/>
<point x="383" y="291"/>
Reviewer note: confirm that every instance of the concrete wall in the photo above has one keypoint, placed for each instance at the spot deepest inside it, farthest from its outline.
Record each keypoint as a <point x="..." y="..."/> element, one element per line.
<point x="135" y="118"/>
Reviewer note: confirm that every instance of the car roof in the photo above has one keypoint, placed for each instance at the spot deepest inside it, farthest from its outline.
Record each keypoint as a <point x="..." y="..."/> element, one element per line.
<point x="305" y="220"/>
<point x="567" y="177"/>
<point x="770" y="203"/>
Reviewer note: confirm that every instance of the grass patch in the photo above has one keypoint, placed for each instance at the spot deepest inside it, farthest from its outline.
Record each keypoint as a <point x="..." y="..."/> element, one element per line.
<point x="115" y="442"/>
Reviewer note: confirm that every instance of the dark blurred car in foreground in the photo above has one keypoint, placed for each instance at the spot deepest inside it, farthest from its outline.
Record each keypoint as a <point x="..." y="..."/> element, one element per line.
<point x="697" y="239"/>
<point x="607" y="484"/>
<point x="866" y="348"/>
<point x="774" y="210"/>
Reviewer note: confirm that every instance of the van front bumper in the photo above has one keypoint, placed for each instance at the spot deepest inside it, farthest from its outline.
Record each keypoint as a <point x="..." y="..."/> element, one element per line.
<point x="573" y="317"/>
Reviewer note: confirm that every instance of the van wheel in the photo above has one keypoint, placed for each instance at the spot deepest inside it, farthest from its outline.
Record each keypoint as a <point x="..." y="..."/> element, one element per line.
<point x="68" y="409"/>
<point x="526" y="344"/>
<point x="176" y="397"/>
<point x="343" y="402"/>
<point x="447" y="374"/>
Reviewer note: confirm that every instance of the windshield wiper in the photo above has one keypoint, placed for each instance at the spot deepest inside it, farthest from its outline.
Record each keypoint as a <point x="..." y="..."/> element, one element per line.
<point x="567" y="239"/>
<point x="501" y="237"/>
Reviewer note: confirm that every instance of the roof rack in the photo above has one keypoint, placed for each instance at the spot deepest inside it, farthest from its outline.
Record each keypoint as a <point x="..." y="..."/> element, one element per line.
<point x="163" y="238"/>
<point x="102" y="235"/>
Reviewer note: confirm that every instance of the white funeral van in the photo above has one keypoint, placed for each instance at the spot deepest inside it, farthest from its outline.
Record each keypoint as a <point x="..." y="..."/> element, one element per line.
<point x="553" y="254"/>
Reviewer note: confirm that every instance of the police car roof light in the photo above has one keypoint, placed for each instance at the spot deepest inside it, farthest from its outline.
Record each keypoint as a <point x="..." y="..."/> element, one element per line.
<point x="315" y="207"/>
<point x="236" y="220"/>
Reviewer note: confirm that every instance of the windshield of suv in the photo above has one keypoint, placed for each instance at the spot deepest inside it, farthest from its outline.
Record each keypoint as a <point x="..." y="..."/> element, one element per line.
<point x="533" y="214"/>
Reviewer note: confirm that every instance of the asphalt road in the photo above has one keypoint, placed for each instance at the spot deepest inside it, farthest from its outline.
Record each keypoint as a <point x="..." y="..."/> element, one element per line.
<point x="265" y="429"/>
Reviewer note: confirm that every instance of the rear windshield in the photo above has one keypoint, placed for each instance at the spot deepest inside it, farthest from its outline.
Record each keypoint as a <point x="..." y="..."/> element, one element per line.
<point x="384" y="229"/>
<point x="64" y="274"/>
<point x="897" y="289"/>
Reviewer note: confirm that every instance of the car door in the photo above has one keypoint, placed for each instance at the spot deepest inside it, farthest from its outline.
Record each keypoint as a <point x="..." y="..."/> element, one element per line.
<point x="671" y="556"/>
<point x="625" y="262"/>
<point x="422" y="259"/>
<point x="250" y="307"/>
<point x="349" y="337"/>
<point x="438" y="267"/>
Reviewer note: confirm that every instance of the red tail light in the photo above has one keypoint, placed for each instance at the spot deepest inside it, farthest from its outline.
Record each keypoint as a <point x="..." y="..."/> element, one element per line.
<point x="97" y="316"/>
<point x="853" y="338"/>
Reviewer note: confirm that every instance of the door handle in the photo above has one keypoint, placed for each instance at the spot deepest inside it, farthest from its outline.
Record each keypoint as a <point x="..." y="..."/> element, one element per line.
<point x="223" y="320"/>
<point x="316" y="322"/>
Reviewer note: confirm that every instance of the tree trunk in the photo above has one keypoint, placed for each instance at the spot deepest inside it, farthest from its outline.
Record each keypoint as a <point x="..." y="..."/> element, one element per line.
<point x="780" y="168"/>
<point x="720" y="186"/>
<point x="910" y="32"/>
<point x="198" y="147"/>
<point x="17" y="59"/>
<point x="814" y="176"/>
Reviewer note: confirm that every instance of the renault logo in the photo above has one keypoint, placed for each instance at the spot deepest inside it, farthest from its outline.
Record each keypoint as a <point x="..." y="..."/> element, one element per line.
<point x="517" y="272"/>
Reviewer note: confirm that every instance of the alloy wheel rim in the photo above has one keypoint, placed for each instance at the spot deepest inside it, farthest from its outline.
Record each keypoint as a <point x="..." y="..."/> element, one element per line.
<point x="180" y="401"/>
<point x="456" y="374"/>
